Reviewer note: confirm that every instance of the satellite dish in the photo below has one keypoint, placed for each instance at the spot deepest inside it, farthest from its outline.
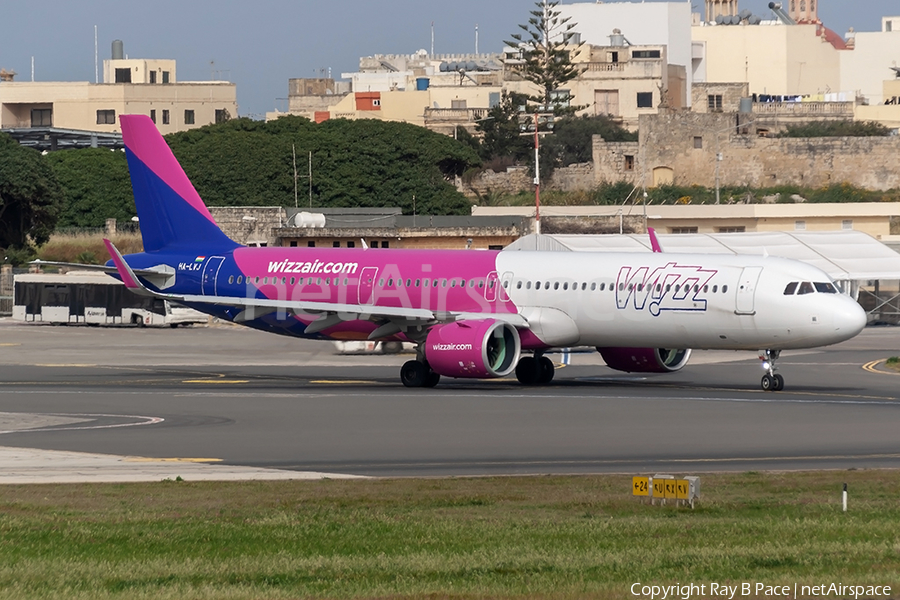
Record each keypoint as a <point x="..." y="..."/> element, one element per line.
<point x="720" y="19"/>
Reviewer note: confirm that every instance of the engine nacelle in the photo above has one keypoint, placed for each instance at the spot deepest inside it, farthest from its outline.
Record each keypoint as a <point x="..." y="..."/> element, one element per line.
<point x="476" y="348"/>
<point x="645" y="360"/>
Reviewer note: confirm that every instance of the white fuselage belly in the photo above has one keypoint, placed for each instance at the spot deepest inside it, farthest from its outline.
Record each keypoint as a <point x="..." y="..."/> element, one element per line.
<point x="674" y="301"/>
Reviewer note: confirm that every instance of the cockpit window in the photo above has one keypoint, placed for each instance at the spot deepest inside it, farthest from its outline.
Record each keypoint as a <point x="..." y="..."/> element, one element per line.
<point x="806" y="288"/>
<point x="825" y="288"/>
<point x="791" y="288"/>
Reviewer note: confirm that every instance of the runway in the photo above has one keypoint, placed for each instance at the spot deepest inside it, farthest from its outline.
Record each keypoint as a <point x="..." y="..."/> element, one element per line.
<point x="231" y="397"/>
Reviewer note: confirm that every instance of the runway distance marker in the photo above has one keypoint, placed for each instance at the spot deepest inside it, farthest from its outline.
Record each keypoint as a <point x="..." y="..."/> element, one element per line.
<point x="640" y="486"/>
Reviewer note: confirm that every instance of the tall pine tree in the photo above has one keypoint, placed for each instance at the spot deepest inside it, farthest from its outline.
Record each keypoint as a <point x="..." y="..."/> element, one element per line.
<point x="546" y="44"/>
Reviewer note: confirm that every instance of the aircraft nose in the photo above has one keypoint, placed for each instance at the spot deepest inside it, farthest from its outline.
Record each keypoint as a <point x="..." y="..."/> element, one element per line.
<point x="850" y="318"/>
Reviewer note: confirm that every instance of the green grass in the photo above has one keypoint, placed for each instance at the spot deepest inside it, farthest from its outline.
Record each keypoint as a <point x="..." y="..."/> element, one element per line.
<point x="86" y="248"/>
<point x="537" y="537"/>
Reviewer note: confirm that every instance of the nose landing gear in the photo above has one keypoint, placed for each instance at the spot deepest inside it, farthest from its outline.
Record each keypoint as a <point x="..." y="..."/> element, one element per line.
<point x="771" y="381"/>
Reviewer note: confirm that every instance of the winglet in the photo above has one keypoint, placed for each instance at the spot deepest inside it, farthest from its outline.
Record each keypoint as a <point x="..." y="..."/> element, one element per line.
<point x="128" y="277"/>
<point x="654" y="242"/>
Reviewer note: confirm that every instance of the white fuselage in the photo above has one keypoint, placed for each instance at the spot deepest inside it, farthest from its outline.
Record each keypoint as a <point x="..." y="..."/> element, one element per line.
<point x="675" y="301"/>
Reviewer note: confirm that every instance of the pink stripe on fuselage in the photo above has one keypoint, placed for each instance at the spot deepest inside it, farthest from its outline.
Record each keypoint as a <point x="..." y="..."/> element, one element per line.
<point x="144" y="141"/>
<point x="341" y="276"/>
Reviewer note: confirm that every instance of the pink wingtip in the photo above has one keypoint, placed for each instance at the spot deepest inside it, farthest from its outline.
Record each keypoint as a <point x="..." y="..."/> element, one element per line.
<point x="121" y="267"/>
<point x="654" y="242"/>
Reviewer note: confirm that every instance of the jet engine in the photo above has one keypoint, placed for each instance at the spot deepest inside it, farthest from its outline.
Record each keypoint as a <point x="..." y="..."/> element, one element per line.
<point x="645" y="360"/>
<point x="473" y="348"/>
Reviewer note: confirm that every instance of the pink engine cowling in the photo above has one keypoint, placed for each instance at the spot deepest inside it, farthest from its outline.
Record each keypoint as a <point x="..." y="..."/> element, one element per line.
<point x="645" y="360"/>
<point x="476" y="348"/>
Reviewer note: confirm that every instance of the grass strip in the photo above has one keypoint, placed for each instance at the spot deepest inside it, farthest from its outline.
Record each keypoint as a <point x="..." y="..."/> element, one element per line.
<point x="508" y="537"/>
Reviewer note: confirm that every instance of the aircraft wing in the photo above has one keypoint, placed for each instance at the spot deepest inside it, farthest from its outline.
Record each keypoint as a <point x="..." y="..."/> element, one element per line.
<point x="256" y="307"/>
<point x="83" y="267"/>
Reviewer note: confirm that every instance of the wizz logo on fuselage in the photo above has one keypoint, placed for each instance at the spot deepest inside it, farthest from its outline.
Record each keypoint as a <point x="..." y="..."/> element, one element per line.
<point x="672" y="287"/>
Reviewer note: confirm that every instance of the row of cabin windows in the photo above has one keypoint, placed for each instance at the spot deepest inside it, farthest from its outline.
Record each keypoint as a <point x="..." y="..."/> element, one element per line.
<point x="640" y="287"/>
<point x="805" y="287"/>
<point x="480" y="283"/>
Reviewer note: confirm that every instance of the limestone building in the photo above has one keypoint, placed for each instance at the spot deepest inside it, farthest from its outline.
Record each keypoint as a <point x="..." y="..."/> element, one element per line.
<point x="130" y="86"/>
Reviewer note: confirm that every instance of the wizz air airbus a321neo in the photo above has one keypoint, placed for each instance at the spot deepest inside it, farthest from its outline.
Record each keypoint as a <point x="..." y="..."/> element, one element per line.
<point x="470" y="313"/>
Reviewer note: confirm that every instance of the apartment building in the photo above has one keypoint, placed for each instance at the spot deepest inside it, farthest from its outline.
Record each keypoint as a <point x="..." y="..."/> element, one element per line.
<point x="130" y="86"/>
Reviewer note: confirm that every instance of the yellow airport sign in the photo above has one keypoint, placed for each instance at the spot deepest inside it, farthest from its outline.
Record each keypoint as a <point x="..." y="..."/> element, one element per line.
<point x="640" y="486"/>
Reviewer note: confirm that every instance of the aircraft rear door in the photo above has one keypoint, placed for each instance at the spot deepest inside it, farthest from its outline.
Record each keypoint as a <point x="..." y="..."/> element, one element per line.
<point x="746" y="291"/>
<point x="210" y="272"/>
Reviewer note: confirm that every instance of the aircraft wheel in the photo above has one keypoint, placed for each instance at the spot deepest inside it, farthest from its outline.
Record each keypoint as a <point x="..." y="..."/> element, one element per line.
<point x="547" y="370"/>
<point x="768" y="383"/>
<point x="432" y="379"/>
<point x="528" y="371"/>
<point x="779" y="383"/>
<point x="413" y="373"/>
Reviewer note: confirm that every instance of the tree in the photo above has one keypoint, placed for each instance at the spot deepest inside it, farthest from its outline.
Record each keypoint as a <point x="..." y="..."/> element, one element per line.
<point x="97" y="186"/>
<point x="30" y="196"/>
<point x="362" y="162"/>
<point x="572" y="140"/>
<point x="501" y="130"/>
<point x="545" y="48"/>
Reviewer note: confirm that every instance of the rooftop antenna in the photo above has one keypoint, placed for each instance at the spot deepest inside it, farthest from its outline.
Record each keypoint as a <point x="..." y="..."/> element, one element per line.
<point x="476" y="38"/>
<point x="432" y="38"/>
<point x="96" y="70"/>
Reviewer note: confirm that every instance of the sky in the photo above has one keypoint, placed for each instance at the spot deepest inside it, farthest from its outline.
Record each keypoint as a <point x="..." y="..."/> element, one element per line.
<point x="260" y="45"/>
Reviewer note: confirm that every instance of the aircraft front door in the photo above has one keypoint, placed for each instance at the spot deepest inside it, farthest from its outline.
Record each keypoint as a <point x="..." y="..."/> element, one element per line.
<point x="210" y="273"/>
<point x="367" y="285"/>
<point x="746" y="291"/>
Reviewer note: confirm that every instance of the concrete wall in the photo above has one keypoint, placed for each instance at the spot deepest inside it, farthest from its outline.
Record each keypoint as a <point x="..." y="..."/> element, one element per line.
<point x="668" y="140"/>
<point x="612" y="162"/>
<point x="571" y="178"/>
<point x="731" y="96"/>
<point x="250" y="225"/>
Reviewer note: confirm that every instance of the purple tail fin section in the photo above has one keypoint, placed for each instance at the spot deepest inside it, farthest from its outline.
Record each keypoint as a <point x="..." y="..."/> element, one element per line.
<point x="654" y="241"/>
<point x="171" y="213"/>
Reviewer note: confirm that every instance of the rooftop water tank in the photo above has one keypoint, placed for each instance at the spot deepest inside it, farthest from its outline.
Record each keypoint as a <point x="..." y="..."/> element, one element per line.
<point x="309" y="220"/>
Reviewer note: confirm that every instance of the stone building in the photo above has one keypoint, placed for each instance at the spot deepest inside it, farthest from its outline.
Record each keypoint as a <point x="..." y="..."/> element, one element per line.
<point x="689" y="148"/>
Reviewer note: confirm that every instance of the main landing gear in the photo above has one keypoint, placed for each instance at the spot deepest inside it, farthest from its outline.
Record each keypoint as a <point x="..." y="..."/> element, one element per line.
<point x="417" y="373"/>
<point x="535" y="370"/>
<point x="771" y="381"/>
